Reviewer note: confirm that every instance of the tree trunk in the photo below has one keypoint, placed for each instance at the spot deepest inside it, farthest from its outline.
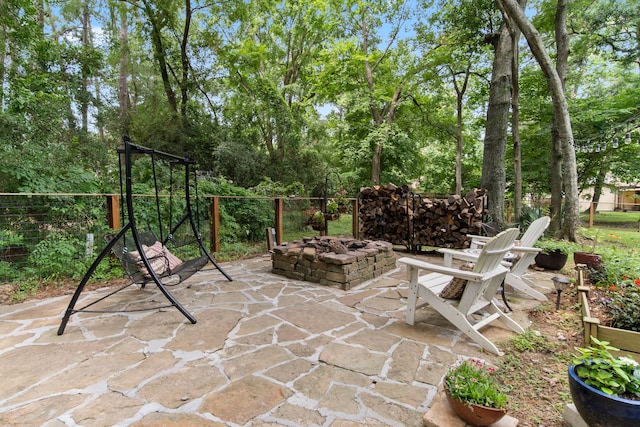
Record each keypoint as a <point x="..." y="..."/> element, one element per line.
<point x="381" y="117"/>
<point x="515" y="123"/>
<point x="495" y="140"/>
<point x="555" y="168"/>
<point x="123" y="88"/>
<point x="460" y="91"/>
<point x="562" y="54"/>
<point x="560" y="110"/>
<point x="4" y="48"/>
<point x="160" y="55"/>
<point x="597" y="187"/>
<point x="84" y="100"/>
<point x="184" y="60"/>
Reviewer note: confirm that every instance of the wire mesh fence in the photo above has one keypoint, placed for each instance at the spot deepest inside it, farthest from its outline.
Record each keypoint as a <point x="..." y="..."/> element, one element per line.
<point x="57" y="236"/>
<point x="48" y="236"/>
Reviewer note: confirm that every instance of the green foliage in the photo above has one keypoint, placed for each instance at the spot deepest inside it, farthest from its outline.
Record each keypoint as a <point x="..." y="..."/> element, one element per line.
<point x="58" y="255"/>
<point x="618" y="264"/>
<point x="243" y="219"/>
<point x="267" y="187"/>
<point x="10" y="238"/>
<point x="623" y="303"/>
<point x="26" y="288"/>
<point x="597" y="367"/>
<point x="332" y="206"/>
<point x="472" y="381"/>
<point x="552" y="245"/>
<point x="528" y="215"/>
<point x="530" y="341"/>
<point x="625" y="307"/>
<point x="8" y="272"/>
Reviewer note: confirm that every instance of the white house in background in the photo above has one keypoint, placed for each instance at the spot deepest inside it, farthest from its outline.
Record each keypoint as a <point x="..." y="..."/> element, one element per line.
<point x="624" y="197"/>
<point x="627" y="197"/>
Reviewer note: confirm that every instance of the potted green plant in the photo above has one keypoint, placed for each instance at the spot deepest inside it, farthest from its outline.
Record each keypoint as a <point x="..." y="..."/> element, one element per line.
<point x="332" y="210"/>
<point x="474" y="392"/>
<point x="314" y="218"/>
<point x="605" y="388"/>
<point x="588" y="256"/>
<point x="341" y="199"/>
<point x="554" y="253"/>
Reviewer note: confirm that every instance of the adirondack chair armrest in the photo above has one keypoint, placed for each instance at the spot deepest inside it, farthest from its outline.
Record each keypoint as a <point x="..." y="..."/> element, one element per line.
<point x="450" y="254"/>
<point x="526" y="250"/>
<point x="478" y="241"/>
<point x="458" y="254"/>
<point x="463" y="274"/>
<point x="479" y="238"/>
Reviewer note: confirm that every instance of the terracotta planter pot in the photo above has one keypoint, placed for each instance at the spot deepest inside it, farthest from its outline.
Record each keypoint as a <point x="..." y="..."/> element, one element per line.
<point x="593" y="261"/>
<point x="554" y="260"/>
<point x="599" y="409"/>
<point x="477" y="415"/>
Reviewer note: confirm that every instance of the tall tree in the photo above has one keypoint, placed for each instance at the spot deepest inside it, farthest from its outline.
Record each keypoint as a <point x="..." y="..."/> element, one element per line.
<point x="372" y="76"/>
<point x="459" y="49"/>
<point x="268" y="52"/>
<point x="562" y="118"/>
<point x="556" y="161"/>
<point x="515" y="121"/>
<point x="495" y="140"/>
<point x="123" y="70"/>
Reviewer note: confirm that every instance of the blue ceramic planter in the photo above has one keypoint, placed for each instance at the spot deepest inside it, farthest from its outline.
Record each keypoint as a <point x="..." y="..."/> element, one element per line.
<point x="599" y="409"/>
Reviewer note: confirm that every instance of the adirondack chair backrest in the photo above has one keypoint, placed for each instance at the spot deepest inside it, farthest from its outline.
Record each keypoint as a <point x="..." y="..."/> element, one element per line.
<point x="489" y="259"/>
<point x="494" y="251"/>
<point x="535" y="231"/>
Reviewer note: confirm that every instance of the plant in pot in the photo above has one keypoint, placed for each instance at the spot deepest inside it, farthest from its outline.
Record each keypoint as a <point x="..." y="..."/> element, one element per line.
<point x="474" y="392"/>
<point x="341" y="199"/>
<point x="554" y="253"/>
<point x="588" y="256"/>
<point x="314" y="218"/>
<point x="332" y="210"/>
<point x="605" y="388"/>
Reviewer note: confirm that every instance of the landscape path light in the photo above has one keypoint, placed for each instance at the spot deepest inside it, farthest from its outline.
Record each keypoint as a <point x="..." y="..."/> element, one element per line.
<point x="560" y="283"/>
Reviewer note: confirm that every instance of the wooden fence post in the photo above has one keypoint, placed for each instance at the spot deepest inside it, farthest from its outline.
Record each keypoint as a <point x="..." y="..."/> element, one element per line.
<point x="355" y="220"/>
<point x="279" y="209"/>
<point x="113" y="211"/>
<point x="214" y="232"/>
<point x="592" y="211"/>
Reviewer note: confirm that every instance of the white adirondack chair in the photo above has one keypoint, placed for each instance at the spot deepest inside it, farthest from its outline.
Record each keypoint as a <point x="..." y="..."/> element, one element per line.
<point x="478" y="296"/>
<point x="515" y="277"/>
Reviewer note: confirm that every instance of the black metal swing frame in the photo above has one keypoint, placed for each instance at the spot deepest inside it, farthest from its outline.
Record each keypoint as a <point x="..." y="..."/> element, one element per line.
<point x="183" y="271"/>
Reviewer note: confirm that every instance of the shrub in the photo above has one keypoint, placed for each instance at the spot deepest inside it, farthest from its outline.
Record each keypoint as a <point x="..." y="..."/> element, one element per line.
<point x="625" y="305"/>
<point x="240" y="218"/>
<point x="58" y="256"/>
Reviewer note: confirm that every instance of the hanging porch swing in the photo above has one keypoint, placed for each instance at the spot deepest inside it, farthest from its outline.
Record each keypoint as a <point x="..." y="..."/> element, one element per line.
<point x="146" y="257"/>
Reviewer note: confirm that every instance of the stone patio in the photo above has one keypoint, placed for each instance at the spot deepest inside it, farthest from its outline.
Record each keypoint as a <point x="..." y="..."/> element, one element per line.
<point x="266" y="350"/>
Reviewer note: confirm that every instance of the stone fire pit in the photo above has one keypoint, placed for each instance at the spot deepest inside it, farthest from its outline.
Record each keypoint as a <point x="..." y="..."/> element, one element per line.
<point x="333" y="261"/>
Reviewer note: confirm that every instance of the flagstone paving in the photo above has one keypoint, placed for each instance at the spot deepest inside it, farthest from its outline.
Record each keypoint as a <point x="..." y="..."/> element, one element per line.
<point x="266" y="351"/>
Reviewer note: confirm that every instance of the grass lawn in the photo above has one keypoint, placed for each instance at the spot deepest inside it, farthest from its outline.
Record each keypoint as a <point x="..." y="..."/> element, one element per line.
<point x="614" y="219"/>
<point x="341" y="227"/>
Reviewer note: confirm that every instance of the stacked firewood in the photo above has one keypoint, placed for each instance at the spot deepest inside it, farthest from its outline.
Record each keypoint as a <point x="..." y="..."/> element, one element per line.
<point x="397" y="215"/>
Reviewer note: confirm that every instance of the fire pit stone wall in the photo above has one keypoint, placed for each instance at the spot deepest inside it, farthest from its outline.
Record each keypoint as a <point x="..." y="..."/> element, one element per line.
<point x="330" y="261"/>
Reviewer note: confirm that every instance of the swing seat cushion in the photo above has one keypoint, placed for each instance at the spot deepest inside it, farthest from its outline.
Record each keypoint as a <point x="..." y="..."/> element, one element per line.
<point x="161" y="260"/>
